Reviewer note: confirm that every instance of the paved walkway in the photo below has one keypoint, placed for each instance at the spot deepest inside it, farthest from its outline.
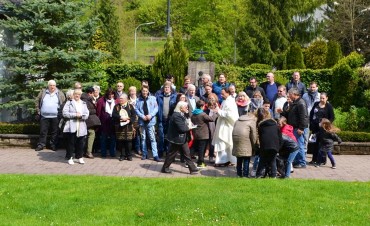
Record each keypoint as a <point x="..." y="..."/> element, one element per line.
<point x="27" y="161"/>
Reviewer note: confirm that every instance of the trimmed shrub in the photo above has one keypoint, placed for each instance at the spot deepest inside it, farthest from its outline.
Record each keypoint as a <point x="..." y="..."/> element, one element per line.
<point x="294" y="57"/>
<point x="349" y="136"/>
<point x="333" y="54"/>
<point x="10" y="128"/>
<point x="260" y="66"/>
<point x="345" y="80"/>
<point x="315" y="55"/>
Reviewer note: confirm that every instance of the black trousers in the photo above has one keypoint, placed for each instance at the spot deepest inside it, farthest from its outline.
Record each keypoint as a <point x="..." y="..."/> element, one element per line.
<point x="268" y="162"/>
<point x="174" y="149"/>
<point x="124" y="144"/>
<point x="75" y="145"/>
<point x="47" y="124"/>
<point x="199" y="147"/>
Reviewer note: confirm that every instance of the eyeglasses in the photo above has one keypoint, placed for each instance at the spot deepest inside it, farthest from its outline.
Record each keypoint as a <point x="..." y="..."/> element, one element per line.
<point x="280" y="91"/>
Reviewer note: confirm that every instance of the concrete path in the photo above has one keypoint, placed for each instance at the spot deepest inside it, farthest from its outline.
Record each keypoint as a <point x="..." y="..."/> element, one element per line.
<point x="27" y="161"/>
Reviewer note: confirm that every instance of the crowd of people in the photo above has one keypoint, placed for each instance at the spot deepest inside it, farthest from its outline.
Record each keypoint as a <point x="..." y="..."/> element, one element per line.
<point x="270" y="124"/>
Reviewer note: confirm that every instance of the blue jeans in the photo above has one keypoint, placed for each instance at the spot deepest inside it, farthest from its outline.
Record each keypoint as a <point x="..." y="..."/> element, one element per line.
<point x="300" y="158"/>
<point x="290" y="160"/>
<point x="103" y="144"/>
<point x="242" y="166"/>
<point x="255" y="162"/>
<point x="162" y="143"/>
<point x="153" y="142"/>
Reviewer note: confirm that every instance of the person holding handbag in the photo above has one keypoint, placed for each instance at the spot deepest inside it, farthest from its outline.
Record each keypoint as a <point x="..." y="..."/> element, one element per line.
<point x="178" y="129"/>
<point x="124" y="116"/>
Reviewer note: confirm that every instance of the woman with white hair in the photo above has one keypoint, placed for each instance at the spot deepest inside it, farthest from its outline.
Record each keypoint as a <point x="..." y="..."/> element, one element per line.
<point x="75" y="112"/>
<point x="177" y="135"/>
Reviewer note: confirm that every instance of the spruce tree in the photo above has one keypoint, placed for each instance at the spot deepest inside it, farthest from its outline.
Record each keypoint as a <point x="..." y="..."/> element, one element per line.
<point x="52" y="41"/>
<point x="294" y="58"/>
<point x="173" y="60"/>
<point x="334" y="54"/>
<point x="108" y="33"/>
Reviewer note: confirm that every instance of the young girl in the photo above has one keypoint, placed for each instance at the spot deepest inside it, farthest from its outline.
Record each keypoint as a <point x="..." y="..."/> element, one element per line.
<point x="326" y="138"/>
<point x="290" y="146"/>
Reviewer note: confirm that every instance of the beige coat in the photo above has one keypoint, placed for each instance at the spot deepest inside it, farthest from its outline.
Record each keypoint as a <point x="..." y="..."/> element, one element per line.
<point x="244" y="136"/>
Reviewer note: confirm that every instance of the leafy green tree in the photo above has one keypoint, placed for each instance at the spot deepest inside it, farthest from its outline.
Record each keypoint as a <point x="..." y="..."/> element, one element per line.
<point x="315" y="55"/>
<point x="173" y="60"/>
<point x="52" y="42"/>
<point x="294" y="57"/>
<point x="107" y="38"/>
<point x="348" y="22"/>
<point x="334" y="54"/>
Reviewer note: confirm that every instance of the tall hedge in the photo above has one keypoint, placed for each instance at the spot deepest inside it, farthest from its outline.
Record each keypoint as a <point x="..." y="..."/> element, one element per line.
<point x="333" y="54"/>
<point x="294" y="57"/>
<point x="345" y="80"/>
<point x="315" y="55"/>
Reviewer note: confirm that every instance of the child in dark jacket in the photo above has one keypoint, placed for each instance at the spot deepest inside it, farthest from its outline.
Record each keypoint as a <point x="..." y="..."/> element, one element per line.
<point x="290" y="146"/>
<point x="270" y="139"/>
<point x="326" y="138"/>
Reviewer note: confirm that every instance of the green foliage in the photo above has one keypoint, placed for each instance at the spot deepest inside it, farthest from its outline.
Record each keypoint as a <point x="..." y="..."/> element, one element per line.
<point x="45" y="40"/>
<point x="9" y="128"/>
<point x="294" y="57"/>
<point x="356" y="119"/>
<point x="260" y="66"/>
<point x="172" y="61"/>
<point x="108" y="35"/>
<point x="315" y="55"/>
<point x="118" y="72"/>
<point x="349" y="136"/>
<point x="130" y="81"/>
<point x="345" y="80"/>
<point x="334" y="54"/>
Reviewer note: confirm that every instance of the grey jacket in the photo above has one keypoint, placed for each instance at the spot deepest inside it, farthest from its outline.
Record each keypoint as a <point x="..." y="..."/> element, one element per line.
<point x="244" y="136"/>
<point x="70" y="115"/>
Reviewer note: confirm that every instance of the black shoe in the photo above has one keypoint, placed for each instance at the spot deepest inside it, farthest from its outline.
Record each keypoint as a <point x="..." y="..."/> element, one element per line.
<point x="129" y="158"/>
<point x="157" y="159"/>
<point x="194" y="171"/>
<point x="39" y="148"/>
<point x="143" y="157"/>
<point x="54" y="148"/>
<point x="121" y="158"/>
<point x="166" y="170"/>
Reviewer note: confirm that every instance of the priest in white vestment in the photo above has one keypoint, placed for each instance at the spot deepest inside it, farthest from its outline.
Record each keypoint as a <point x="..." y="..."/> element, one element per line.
<point x="222" y="139"/>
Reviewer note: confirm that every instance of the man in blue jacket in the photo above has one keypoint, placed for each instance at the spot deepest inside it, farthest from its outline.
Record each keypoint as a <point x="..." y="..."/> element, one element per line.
<point x="165" y="99"/>
<point x="146" y="109"/>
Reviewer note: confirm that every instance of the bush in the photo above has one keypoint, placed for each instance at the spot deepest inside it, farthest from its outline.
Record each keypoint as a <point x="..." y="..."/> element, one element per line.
<point x="315" y="55"/>
<point x="357" y="119"/>
<point x="9" y="128"/>
<point x="260" y="66"/>
<point x="333" y="55"/>
<point x="294" y="57"/>
<point x="345" y="80"/>
<point x="130" y="81"/>
<point x="349" y="136"/>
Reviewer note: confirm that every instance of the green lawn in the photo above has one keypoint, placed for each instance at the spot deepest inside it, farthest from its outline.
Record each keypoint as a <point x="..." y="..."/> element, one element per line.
<point x="145" y="48"/>
<point x="94" y="200"/>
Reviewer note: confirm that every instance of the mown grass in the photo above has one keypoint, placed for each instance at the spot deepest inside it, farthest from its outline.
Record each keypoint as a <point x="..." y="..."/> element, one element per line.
<point x="94" y="200"/>
<point x="145" y="48"/>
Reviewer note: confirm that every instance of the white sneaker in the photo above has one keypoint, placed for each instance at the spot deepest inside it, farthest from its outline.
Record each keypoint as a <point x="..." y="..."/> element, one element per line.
<point x="253" y="173"/>
<point x="81" y="161"/>
<point x="70" y="161"/>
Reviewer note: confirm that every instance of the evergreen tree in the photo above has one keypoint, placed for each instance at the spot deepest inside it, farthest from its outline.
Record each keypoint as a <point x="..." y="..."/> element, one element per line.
<point x="52" y="41"/>
<point x="109" y="34"/>
<point x="315" y="55"/>
<point x="173" y="60"/>
<point x="333" y="55"/>
<point x="294" y="58"/>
